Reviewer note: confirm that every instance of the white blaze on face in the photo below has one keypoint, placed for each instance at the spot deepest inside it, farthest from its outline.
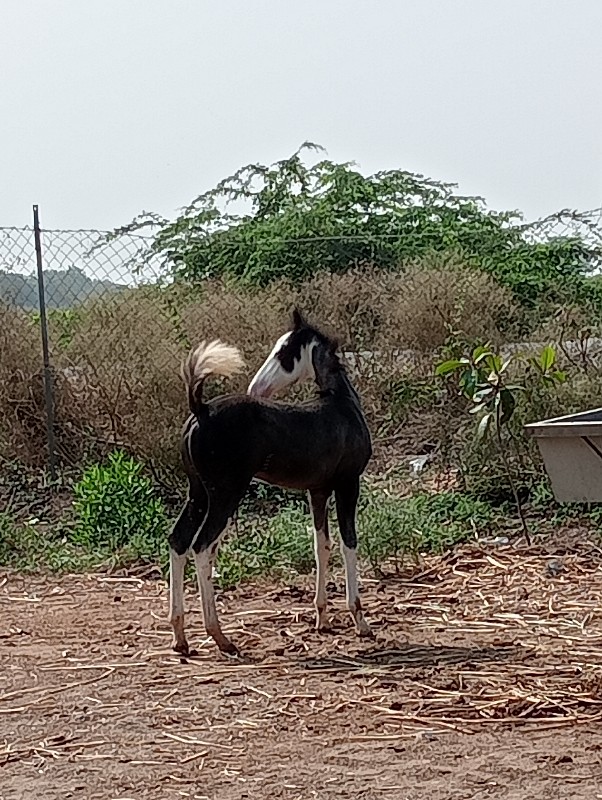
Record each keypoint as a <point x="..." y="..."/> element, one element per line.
<point x="271" y="377"/>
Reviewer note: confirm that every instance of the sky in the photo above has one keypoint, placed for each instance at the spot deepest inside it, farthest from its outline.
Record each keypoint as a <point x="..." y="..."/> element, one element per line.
<point x="112" y="107"/>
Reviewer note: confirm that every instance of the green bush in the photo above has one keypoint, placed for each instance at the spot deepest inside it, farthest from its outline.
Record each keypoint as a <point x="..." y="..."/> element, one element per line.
<point x="34" y="545"/>
<point x="394" y="527"/>
<point x="115" y="506"/>
<point x="281" y="544"/>
<point x="298" y="216"/>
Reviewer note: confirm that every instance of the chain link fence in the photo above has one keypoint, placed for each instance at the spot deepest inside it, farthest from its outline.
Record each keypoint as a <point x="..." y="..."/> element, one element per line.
<point x="117" y="327"/>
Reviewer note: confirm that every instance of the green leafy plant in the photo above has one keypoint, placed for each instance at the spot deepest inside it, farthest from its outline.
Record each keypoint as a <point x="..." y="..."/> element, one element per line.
<point x="277" y="545"/>
<point x="483" y="379"/>
<point x="545" y="367"/>
<point x="395" y="527"/>
<point x="115" y="506"/>
<point x="293" y="217"/>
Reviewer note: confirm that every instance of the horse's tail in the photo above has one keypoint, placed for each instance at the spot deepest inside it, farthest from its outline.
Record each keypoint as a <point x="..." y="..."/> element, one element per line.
<point x="215" y="358"/>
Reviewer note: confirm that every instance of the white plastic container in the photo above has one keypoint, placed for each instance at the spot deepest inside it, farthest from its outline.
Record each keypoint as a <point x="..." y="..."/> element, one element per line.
<point x="571" y="448"/>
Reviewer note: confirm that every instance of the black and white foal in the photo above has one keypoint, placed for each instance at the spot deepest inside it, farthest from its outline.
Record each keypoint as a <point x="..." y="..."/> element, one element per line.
<point x="321" y="446"/>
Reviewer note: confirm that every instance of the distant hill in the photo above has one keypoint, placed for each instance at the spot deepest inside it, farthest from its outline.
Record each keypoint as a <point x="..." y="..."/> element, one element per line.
<point x="63" y="289"/>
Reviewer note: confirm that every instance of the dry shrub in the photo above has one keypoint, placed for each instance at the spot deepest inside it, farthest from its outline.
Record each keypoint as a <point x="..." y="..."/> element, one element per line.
<point x="126" y="385"/>
<point x="115" y="369"/>
<point x="366" y="309"/>
<point x="416" y="309"/>
<point x="433" y="303"/>
<point x="22" y="421"/>
<point x="117" y="359"/>
<point x="252" y="320"/>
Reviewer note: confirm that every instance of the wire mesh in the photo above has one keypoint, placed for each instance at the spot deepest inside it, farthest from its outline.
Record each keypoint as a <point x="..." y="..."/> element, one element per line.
<point x="118" y="326"/>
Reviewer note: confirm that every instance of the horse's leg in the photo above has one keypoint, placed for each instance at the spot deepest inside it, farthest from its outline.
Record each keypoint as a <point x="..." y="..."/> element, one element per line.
<point x="177" y="567"/>
<point x="182" y="535"/>
<point x="222" y="505"/>
<point x="346" y="496"/>
<point x="318" y="501"/>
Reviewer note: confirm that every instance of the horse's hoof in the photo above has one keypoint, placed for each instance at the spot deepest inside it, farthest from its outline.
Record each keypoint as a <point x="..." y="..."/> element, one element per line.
<point x="182" y="649"/>
<point x="228" y="649"/>
<point x="324" y="629"/>
<point x="321" y="619"/>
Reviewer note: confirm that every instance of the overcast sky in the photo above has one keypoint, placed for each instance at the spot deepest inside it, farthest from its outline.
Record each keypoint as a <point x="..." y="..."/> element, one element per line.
<point x="109" y="107"/>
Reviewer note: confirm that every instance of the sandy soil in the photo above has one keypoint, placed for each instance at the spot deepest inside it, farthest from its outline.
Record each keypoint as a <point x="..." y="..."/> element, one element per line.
<point x="485" y="680"/>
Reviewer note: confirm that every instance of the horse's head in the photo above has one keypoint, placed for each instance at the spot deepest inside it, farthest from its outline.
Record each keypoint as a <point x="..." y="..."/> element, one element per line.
<point x="293" y="358"/>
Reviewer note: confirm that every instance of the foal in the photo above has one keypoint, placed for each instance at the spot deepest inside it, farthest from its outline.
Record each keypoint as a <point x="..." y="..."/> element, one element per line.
<point x="321" y="446"/>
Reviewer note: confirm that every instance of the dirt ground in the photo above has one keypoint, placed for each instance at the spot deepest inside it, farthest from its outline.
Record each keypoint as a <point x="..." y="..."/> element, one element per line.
<point x="485" y="680"/>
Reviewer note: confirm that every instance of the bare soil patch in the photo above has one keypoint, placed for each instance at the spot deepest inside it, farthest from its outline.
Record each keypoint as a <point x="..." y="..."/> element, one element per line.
<point x="485" y="680"/>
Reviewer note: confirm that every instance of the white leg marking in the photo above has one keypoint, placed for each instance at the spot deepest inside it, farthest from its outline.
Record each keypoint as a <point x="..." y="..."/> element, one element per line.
<point x="177" y="566"/>
<point x="204" y="570"/>
<point x="353" y="596"/>
<point x="322" y="550"/>
<point x="350" y="558"/>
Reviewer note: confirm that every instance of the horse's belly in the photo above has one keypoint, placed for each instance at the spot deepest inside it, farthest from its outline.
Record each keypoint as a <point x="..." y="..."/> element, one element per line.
<point x="292" y="475"/>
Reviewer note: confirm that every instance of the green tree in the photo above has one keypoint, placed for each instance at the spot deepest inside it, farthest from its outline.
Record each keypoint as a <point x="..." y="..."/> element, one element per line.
<point x="292" y="218"/>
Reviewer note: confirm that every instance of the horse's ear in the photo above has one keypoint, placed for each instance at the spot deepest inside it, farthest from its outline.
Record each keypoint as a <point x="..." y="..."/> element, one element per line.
<point x="297" y="317"/>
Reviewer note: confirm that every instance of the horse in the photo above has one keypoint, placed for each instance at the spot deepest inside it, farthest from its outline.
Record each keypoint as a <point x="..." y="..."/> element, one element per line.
<point x="321" y="446"/>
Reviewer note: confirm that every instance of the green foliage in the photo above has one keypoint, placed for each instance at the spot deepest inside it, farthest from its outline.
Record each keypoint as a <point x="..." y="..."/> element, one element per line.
<point x="554" y="270"/>
<point x="389" y="528"/>
<point x="404" y="395"/>
<point x="32" y="546"/>
<point x="395" y="527"/>
<point x="293" y="218"/>
<point x="482" y="379"/>
<point x="544" y="367"/>
<point x="277" y="545"/>
<point x="497" y="459"/>
<point x="115" y="506"/>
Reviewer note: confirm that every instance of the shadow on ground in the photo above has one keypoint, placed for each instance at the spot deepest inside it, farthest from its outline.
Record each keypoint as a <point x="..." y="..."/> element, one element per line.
<point x="410" y="656"/>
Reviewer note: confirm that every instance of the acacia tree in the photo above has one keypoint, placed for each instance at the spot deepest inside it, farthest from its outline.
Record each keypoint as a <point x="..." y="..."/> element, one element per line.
<point x="292" y="218"/>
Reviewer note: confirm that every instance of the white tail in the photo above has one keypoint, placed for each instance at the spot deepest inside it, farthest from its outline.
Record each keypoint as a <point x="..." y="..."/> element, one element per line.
<point x="214" y="358"/>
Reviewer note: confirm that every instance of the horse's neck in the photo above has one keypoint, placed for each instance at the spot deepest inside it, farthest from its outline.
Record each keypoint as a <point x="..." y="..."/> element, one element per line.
<point x="336" y="382"/>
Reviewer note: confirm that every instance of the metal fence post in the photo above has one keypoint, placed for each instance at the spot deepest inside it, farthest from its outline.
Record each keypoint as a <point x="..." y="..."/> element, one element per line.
<point x="48" y="382"/>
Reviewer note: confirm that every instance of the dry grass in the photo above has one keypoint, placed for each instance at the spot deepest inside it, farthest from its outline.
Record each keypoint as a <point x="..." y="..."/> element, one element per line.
<point x="117" y="360"/>
<point x="21" y="386"/>
<point x="481" y="642"/>
<point x="415" y="310"/>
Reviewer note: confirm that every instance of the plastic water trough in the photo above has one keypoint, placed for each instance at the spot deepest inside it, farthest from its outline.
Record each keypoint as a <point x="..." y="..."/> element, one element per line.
<point x="571" y="448"/>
